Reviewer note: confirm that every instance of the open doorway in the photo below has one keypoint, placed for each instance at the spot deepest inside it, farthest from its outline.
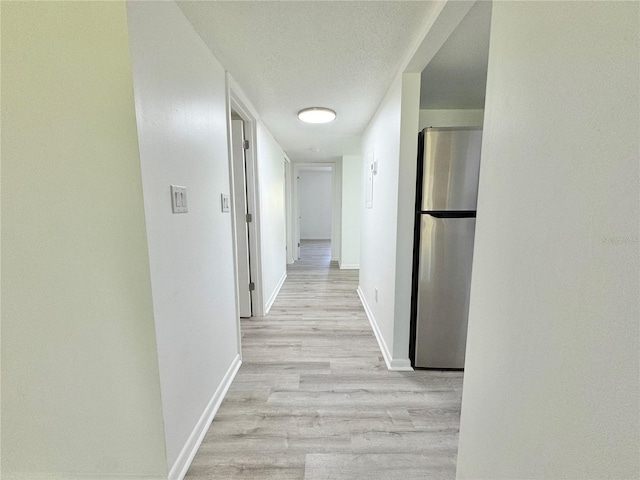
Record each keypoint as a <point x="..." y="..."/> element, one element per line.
<point x="315" y="205"/>
<point x="244" y="203"/>
<point x="452" y="96"/>
<point x="316" y="198"/>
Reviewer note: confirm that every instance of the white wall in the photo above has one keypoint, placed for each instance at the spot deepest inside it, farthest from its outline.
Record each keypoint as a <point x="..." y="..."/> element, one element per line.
<point x="315" y="204"/>
<point x="386" y="242"/>
<point x="272" y="214"/>
<point x="378" y="239"/>
<point x="551" y="385"/>
<point x="450" y="118"/>
<point x="352" y="201"/>
<point x="80" y="378"/>
<point x="181" y="111"/>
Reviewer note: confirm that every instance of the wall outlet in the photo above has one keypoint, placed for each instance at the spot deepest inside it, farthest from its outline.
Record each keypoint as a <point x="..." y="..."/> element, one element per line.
<point x="375" y="290"/>
<point x="179" y="199"/>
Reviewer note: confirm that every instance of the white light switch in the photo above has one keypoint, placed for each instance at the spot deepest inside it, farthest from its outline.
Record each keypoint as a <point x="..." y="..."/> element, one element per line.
<point x="225" y="204"/>
<point x="178" y="199"/>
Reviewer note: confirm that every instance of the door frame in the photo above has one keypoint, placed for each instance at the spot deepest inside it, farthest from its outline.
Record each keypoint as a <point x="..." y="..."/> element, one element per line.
<point x="336" y="206"/>
<point x="288" y="205"/>
<point x="236" y="102"/>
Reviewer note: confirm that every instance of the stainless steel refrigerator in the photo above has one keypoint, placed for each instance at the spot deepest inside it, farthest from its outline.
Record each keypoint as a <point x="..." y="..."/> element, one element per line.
<point x="445" y="218"/>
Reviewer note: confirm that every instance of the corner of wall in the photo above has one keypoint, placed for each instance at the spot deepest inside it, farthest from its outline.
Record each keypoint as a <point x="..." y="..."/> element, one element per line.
<point x="409" y="119"/>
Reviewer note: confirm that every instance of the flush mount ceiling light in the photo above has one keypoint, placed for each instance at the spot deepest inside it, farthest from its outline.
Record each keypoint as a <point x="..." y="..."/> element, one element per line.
<point x="317" y="115"/>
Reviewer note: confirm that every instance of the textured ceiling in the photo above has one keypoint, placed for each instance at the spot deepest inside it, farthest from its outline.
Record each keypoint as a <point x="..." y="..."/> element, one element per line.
<point x="289" y="55"/>
<point x="457" y="76"/>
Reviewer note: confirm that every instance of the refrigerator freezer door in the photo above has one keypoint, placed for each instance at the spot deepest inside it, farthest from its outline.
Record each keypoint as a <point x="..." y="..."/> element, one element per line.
<point x="446" y="254"/>
<point x="451" y="166"/>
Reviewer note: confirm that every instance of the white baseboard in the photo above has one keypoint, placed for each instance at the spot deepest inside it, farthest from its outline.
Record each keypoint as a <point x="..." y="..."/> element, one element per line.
<point x="400" y="365"/>
<point x="182" y="463"/>
<point x="275" y="293"/>
<point x="77" y="476"/>
<point x="349" y="266"/>
<point x="393" y="364"/>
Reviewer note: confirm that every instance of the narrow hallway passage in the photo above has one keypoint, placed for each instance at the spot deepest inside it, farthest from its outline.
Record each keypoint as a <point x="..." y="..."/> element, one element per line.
<point x="314" y="400"/>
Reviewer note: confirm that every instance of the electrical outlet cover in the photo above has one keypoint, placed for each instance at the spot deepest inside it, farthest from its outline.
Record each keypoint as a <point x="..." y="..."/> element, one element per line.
<point x="225" y="203"/>
<point x="179" y="199"/>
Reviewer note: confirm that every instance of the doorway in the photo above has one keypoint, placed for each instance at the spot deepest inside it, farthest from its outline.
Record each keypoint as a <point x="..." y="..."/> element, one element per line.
<point x="314" y="203"/>
<point x="317" y="205"/>
<point x="242" y="138"/>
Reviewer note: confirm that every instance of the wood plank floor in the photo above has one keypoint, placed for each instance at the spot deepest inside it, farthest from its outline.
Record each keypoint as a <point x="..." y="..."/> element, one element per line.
<point x="313" y="398"/>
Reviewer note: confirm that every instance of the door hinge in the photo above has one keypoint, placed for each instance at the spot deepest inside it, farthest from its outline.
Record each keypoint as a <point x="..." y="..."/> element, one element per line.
<point x="249" y="218"/>
<point x="298" y="244"/>
<point x="245" y="144"/>
<point x="252" y="286"/>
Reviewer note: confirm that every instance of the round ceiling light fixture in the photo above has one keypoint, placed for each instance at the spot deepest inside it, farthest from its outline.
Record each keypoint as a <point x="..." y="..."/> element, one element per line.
<point x="317" y="115"/>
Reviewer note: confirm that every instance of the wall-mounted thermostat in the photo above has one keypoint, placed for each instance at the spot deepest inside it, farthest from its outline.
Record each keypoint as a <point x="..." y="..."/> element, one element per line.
<point x="179" y="199"/>
<point x="225" y="204"/>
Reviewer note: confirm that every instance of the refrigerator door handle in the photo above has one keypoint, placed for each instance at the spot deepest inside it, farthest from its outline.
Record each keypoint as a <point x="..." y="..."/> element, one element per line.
<point x="449" y="213"/>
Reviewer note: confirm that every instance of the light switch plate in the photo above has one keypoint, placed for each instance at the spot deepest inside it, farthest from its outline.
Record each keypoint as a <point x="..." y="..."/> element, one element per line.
<point x="225" y="204"/>
<point x="179" y="199"/>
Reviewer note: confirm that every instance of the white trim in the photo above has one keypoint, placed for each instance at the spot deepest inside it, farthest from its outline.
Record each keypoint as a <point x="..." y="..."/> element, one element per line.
<point x="349" y="266"/>
<point x="234" y="226"/>
<point x="275" y="293"/>
<point x="239" y="103"/>
<point x="401" y="365"/>
<point x="393" y="364"/>
<point x="78" y="476"/>
<point x="374" y="326"/>
<point x="242" y="98"/>
<point x="182" y="463"/>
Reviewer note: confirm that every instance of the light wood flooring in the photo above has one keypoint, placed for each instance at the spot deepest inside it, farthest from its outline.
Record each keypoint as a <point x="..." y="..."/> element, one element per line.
<point x="313" y="398"/>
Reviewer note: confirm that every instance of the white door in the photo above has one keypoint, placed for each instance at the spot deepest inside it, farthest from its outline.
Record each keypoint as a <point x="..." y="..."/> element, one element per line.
<point x="242" y="231"/>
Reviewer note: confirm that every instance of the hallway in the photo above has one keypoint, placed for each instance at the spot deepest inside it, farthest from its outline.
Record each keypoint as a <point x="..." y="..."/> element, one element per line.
<point x="314" y="400"/>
